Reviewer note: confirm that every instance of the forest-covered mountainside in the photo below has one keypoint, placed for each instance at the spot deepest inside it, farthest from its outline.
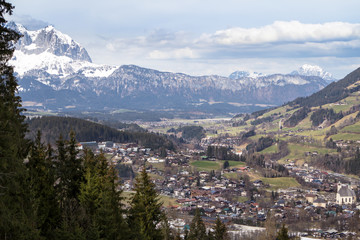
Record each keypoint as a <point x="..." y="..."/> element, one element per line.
<point x="52" y="126"/>
<point x="335" y="102"/>
<point x="331" y="93"/>
<point x="322" y="130"/>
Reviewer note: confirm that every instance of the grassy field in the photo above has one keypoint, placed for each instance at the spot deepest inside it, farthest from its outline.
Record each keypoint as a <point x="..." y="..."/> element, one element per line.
<point x="215" y="165"/>
<point x="297" y="151"/>
<point x="280" y="110"/>
<point x="235" y="163"/>
<point x="347" y="103"/>
<point x="280" y="182"/>
<point x="346" y="136"/>
<point x="270" y="150"/>
<point x="355" y="128"/>
<point x="206" y="165"/>
<point x="232" y="176"/>
<point x="168" y="201"/>
<point x="159" y="166"/>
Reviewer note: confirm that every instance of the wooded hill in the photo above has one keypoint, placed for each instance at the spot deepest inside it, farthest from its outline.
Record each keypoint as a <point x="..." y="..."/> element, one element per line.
<point x="343" y="94"/>
<point x="52" y="126"/>
<point x="322" y="129"/>
<point x="331" y="93"/>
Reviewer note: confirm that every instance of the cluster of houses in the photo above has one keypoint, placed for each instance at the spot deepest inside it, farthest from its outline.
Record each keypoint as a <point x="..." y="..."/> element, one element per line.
<point x="235" y="200"/>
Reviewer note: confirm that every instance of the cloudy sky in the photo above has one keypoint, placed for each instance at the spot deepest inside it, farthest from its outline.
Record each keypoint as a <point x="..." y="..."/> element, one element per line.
<point x="203" y="37"/>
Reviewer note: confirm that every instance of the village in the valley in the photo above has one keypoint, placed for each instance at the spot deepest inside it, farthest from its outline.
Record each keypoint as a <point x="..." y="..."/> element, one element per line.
<point x="248" y="197"/>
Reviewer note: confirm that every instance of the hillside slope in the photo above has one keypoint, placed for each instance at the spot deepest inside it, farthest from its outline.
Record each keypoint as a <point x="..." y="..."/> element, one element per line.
<point x="331" y="93"/>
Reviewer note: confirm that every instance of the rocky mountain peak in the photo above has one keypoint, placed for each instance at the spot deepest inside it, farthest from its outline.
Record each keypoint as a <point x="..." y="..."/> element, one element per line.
<point x="245" y="74"/>
<point x="313" y="70"/>
<point x="49" y="40"/>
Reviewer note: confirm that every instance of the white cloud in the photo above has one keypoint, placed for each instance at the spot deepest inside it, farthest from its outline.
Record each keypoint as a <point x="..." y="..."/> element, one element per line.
<point x="173" y="54"/>
<point x="254" y="48"/>
<point x="285" y="32"/>
<point x="29" y="22"/>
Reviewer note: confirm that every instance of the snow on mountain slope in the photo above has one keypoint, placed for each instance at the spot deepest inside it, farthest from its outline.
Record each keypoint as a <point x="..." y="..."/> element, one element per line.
<point x="49" y="40"/>
<point x="48" y="50"/>
<point x="313" y="70"/>
<point x="245" y="74"/>
<point x="275" y="79"/>
<point x="295" y="78"/>
<point x="55" y="71"/>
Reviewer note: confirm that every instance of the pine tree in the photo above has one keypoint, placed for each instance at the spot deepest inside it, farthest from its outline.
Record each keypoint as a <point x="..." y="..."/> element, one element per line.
<point x="100" y="197"/>
<point x="41" y="183"/>
<point x="145" y="211"/>
<point x="220" y="231"/>
<point x="69" y="168"/>
<point x="283" y="233"/>
<point x="197" y="228"/>
<point x="110" y="219"/>
<point x="16" y="220"/>
<point x="69" y="174"/>
<point x="74" y="165"/>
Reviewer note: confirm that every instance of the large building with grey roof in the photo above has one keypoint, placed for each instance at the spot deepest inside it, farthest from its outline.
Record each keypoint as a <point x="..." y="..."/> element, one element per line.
<point x="345" y="195"/>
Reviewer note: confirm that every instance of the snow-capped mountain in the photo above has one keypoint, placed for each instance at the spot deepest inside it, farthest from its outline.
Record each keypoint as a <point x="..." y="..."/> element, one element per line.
<point x="245" y="74"/>
<point x="56" y="73"/>
<point x="313" y="70"/>
<point x="48" y="51"/>
<point x="49" y="40"/>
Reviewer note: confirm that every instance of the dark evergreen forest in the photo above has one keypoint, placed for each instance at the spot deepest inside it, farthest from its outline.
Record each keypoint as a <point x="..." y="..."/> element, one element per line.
<point x="52" y="127"/>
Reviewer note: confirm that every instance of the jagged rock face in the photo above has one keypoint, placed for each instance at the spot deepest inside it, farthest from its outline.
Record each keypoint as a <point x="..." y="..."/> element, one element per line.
<point x="49" y="40"/>
<point x="54" y="72"/>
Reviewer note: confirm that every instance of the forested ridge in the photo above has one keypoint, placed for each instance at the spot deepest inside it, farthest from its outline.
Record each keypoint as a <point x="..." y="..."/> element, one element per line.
<point x="52" y="127"/>
<point x="189" y="132"/>
<point x="331" y="93"/>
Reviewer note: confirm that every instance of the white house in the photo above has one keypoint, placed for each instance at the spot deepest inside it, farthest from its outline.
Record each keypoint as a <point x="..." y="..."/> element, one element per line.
<point x="345" y="195"/>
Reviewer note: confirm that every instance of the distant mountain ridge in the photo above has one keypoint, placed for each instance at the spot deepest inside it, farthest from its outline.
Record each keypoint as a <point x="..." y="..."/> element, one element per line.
<point x="56" y="73"/>
<point x="311" y="70"/>
<point x="332" y="93"/>
<point x="304" y="70"/>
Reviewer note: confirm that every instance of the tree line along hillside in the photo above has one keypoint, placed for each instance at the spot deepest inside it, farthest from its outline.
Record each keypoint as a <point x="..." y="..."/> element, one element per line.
<point x="52" y="127"/>
<point x="331" y="93"/>
<point x="189" y="132"/>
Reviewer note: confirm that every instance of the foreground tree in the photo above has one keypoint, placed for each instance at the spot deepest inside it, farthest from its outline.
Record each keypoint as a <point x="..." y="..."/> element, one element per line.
<point x="145" y="212"/>
<point x="41" y="184"/>
<point x="69" y="169"/>
<point x="283" y="233"/>
<point x="220" y="231"/>
<point x="69" y="174"/>
<point x="16" y="220"/>
<point x="100" y="197"/>
<point x="197" y="228"/>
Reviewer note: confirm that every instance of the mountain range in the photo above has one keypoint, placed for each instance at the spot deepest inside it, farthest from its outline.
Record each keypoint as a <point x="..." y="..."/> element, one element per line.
<point x="56" y="73"/>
